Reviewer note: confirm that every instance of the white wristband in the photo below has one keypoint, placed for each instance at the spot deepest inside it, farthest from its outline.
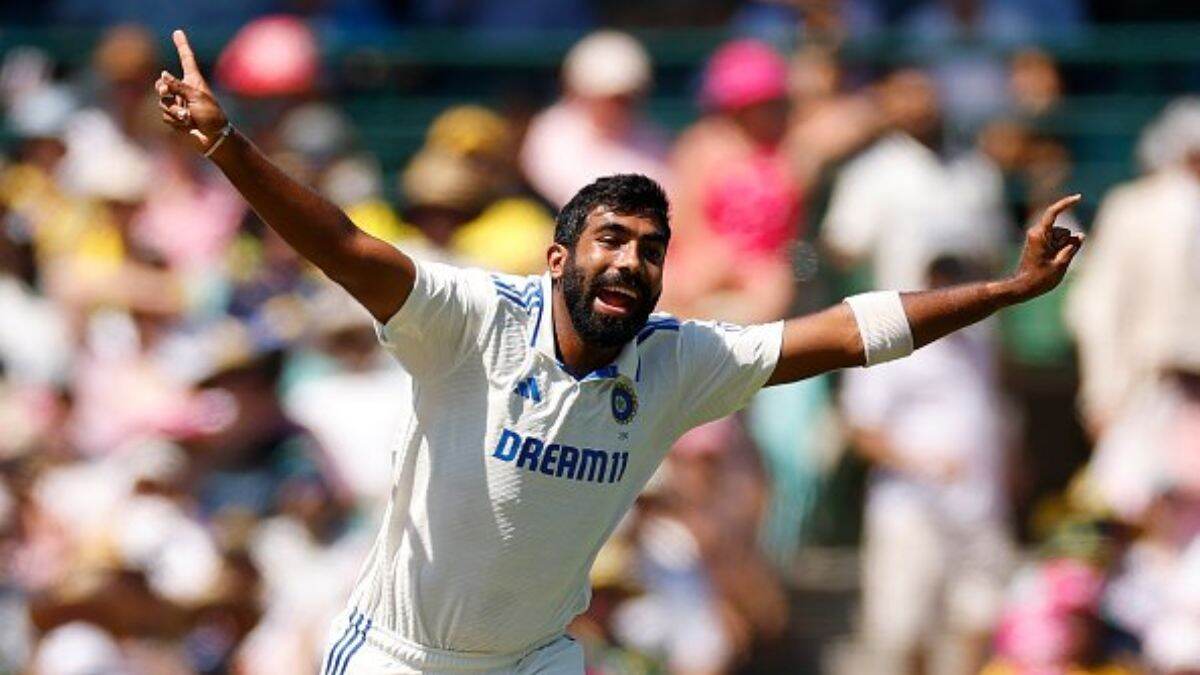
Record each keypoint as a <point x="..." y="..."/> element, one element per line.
<point x="883" y="325"/>
<point x="221" y="136"/>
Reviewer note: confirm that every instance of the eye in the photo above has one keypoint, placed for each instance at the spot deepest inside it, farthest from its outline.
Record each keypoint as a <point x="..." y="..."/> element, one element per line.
<point x="655" y="254"/>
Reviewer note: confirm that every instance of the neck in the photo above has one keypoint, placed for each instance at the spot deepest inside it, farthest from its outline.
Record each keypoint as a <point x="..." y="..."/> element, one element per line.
<point x="577" y="356"/>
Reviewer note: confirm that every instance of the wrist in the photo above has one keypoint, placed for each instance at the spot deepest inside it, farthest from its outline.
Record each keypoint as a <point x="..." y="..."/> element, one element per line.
<point x="220" y="140"/>
<point x="1005" y="292"/>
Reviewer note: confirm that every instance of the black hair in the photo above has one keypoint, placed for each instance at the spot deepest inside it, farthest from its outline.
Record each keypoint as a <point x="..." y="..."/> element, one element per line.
<point x="629" y="194"/>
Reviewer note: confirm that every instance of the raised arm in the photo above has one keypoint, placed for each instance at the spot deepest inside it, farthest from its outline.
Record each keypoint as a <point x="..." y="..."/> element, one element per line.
<point x="377" y="274"/>
<point x="833" y="338"/>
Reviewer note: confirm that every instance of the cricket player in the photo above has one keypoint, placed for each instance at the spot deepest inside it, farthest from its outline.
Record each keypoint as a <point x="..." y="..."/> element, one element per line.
<point x="543" y="404"/>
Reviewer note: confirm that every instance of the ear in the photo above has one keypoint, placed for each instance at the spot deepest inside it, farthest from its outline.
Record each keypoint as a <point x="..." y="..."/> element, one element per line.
<point x="556" y="259"/>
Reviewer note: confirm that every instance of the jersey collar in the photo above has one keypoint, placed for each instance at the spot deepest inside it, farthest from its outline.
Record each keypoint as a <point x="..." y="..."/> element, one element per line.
<point x="542" y="324"/>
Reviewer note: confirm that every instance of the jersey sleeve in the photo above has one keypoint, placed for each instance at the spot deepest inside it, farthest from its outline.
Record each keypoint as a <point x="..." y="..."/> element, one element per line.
<point x="722" y="366"/>
<point x="441" y="321"/>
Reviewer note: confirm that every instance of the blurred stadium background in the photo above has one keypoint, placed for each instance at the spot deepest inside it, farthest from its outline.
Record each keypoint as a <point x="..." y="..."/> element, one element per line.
<point x="194" y="425"/>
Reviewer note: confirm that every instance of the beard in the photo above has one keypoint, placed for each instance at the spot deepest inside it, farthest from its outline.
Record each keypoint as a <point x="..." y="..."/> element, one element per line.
<point x="599" y="329"/>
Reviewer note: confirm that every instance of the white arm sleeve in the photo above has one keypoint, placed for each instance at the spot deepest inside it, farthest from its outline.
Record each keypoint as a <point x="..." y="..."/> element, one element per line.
<point x="883" y="325"/>
<point x="722" y="366"/>
<point x="440" y="322"/>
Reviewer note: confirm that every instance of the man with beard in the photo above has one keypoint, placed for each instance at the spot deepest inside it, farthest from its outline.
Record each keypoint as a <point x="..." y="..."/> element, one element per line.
<point x="542" y="405"/>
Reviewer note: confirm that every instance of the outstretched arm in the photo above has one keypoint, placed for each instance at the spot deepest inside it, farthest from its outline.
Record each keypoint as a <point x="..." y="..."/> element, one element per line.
<point x="831" y="339"/>
<point x="378" y="275"/>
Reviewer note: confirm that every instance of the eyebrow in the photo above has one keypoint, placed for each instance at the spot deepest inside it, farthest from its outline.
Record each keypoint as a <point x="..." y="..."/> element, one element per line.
<point x="656" y="236"/>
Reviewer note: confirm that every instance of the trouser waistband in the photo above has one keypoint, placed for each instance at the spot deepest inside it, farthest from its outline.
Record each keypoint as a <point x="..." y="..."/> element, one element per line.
<point x="423" y="657"/>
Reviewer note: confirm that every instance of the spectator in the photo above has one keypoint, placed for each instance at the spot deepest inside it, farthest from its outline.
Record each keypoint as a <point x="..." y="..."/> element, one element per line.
<point x="905" y="200"/>
<point x="597" y="128"/>
<point x="1052" y="623"/>
<point x="828" y="122"/>
<point x="829" y="22"/>
<point x="970" y="79"/>
<point x="273" y="56"/>
<point x="346" y="373"/>
<point x="248" y="449"/>
<point x="737" y="202"/>
<point x="453" y="203"/>
<point x="511" y="230"/>
<point x="937" y="548"/>
<point x="1136" y="306"/>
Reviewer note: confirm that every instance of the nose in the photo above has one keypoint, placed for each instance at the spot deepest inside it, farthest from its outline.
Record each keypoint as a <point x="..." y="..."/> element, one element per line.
<point x="629" y="258"/>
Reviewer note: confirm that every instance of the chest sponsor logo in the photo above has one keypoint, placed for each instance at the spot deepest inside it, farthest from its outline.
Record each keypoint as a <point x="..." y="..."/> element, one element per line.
<point x="558" y="460"/>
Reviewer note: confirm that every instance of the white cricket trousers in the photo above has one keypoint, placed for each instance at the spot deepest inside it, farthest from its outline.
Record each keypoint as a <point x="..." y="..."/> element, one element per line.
<point x="355" y="647"/>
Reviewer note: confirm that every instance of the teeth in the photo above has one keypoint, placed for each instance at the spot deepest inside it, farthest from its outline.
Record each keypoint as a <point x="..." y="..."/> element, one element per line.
<point x="622" y="291"/>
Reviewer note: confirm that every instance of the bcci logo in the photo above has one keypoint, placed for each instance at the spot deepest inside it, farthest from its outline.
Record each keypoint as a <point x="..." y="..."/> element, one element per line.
<point x="624" y="401"/>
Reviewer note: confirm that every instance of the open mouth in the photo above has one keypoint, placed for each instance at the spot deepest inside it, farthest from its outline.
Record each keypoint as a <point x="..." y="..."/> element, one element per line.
<point x="617" y="301"/>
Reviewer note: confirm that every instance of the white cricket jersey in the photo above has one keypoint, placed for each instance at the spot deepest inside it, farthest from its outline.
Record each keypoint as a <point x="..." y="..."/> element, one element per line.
<point x="512" y="473"/>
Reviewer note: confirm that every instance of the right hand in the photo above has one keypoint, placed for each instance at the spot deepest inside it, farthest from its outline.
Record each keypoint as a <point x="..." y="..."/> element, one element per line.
<point x="188" y="104"/>
<point x="1048" y="252"/>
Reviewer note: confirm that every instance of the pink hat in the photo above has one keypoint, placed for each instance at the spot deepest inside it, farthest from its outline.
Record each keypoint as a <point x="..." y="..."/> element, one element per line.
<point x="271" y="56"/>
<point x="743" y="73"/>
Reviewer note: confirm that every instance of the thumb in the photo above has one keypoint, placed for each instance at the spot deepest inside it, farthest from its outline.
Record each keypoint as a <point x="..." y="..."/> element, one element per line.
<point x="1065" y="254"/>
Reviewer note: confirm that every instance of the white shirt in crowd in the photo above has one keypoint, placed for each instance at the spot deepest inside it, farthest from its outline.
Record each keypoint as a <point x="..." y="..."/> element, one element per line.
<point x="354" y="416"/>
<point x="899" y="206"/>
<point x="512" y="472"/>
<point x="1135" y="306"/>
<point x="565" y="151"/>
<point x="939" y="405"/>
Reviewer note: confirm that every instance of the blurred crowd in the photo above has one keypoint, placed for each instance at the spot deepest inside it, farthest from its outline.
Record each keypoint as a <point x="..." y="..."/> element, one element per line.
<point x="195" y="424"/>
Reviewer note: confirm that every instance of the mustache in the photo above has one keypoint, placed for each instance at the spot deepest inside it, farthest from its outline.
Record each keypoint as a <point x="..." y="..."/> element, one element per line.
<point x="621" y="278"/>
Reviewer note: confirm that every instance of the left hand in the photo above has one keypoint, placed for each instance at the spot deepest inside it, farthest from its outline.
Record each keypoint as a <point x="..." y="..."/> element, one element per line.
<point x="1048" y="252"/>
<point x="188" y="105"/>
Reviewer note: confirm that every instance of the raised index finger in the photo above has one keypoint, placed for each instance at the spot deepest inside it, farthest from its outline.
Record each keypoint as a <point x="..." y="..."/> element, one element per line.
<point x="191" y="71"/>
<point x="1052" y="212"/>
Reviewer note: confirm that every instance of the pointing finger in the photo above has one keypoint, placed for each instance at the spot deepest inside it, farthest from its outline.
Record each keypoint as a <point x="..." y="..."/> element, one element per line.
<point x="191" y="71"/>
<point x="1051" y="214"/>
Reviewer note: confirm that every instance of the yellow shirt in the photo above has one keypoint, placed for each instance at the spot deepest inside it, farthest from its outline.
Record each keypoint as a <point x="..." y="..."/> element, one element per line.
<point x="510" y="236"/>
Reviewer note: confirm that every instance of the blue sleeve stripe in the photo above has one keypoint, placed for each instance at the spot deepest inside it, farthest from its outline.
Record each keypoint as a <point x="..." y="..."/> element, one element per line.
<point x="662" y="321"/>
<point x="608" y="371"/>
<point x="500" y="283"/>
<point x="651" y="330"/>
<point x="515" y="298"/>
<point x="667" y="322"/>
<point x="537" y="324"/>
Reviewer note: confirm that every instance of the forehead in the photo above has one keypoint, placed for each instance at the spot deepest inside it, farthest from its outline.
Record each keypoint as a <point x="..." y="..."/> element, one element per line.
<point x="640" y="226"/>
